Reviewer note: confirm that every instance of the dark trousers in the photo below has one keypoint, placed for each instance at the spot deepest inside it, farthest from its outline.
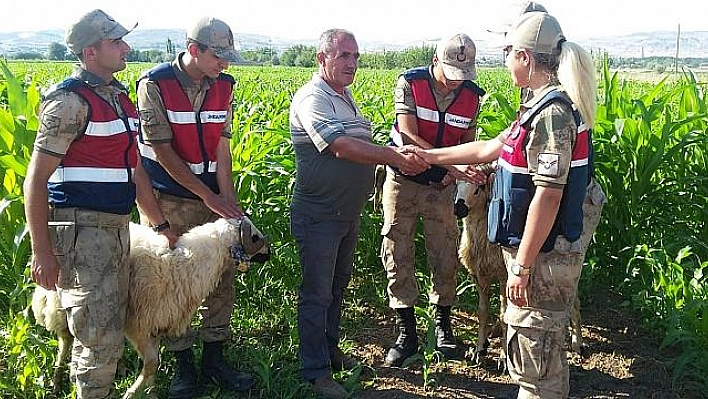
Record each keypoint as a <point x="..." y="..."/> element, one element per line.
<point x="326" y="250"/>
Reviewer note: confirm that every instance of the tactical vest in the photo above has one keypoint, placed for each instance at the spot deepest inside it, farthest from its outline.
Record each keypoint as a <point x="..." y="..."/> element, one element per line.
<point x="440" y="128"/>
<point x="97" y="171"/>
<point x="196" y="135"/>
<point x="513" y="186"/>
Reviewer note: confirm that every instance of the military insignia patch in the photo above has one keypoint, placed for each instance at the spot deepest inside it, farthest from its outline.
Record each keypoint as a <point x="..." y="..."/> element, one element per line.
<point x="147" y="116"/>
<point x="548" y="164"/>
<point x="50" y="124"/>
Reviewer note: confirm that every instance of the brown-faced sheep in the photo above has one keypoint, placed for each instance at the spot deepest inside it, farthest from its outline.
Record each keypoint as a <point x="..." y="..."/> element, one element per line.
<point x="485" y="262"/>
<point x="166" y="286"/>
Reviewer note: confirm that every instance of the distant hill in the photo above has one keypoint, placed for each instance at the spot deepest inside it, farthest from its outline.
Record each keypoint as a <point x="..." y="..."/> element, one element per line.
<point x="648" y="44"/>
<point x="147" y="39"/>
<point x="652" y="44"/>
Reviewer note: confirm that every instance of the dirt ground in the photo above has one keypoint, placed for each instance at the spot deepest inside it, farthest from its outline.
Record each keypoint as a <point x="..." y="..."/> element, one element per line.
<point x="618" y="361"/>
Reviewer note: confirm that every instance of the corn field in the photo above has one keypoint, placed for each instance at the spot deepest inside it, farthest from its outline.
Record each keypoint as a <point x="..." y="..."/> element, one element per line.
<point x="651" y="247"/>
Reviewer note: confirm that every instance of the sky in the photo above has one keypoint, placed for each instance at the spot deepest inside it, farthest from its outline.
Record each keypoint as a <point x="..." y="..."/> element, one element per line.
<point x="390" y="21"/>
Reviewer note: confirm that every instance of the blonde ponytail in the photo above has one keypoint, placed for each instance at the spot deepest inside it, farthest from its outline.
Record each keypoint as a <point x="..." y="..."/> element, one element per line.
<point x="577" y="74"/>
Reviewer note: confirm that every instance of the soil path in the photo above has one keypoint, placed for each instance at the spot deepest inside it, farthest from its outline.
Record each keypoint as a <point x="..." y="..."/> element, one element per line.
<point x="618" y="361"/>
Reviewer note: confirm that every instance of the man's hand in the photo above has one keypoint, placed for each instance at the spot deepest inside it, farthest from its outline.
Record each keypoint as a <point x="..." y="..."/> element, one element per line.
<point x="473" y="174"/>
<point x="223" y="206"/>
<point x="444" y="182"/>
<point x="45" y="270"/>
<point x="171" y="237"/>
<point x="410" y="163"/>
<point x="456" y="172"/>
<point x="516" y="289"/>
<point x="448" y="179"/>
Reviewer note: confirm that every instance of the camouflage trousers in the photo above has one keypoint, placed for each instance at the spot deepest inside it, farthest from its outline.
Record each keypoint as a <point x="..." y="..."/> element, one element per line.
<point x="403" y="201"/>
<point x="536" y="357"/>
<point x="92" y="249"/>
<point x="215" y="312"/>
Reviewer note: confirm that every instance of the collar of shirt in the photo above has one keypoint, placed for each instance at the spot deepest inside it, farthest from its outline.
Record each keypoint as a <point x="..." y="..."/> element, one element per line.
<point x="320" y="83"/>
<point x="94" y="81"/>
<point x="538" y="95"/>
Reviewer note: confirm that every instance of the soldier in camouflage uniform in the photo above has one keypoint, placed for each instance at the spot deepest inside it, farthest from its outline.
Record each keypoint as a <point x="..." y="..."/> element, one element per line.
<point x="186" y="115"/>
<point x="436" y="106"/>
<point x="546" y="203"/>
<point x="85" y="167"/>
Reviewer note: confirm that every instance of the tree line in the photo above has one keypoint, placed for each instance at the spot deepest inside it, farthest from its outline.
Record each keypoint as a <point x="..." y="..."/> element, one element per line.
<point x="304" y="56"/>
<point x="59" y="52"/>
<point x="298" y="55"/>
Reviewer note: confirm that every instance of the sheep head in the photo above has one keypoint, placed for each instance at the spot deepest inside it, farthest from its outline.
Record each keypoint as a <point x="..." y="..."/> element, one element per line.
<point x="252" y="245"/>
<point x="466" y="193"/>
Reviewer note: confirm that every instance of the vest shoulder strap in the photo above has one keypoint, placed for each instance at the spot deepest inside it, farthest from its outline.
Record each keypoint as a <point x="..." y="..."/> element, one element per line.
<point x="75" y="85"/>
<point x="416" y="73"/>
<point x="70" y="84"/>
<point x="556" y="95"/>
<point x="227" y="77"/>
<point x="473" y="86"/>
<point x="161" y="71"/>
<point x="548" y="98"/>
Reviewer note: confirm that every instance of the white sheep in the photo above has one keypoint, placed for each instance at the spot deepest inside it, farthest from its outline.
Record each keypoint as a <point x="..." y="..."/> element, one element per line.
<point x="485" y="262"/>
<point x="166" y="286"/>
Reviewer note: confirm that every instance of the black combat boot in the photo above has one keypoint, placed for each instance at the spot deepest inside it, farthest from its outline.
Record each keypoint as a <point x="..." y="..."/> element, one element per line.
<point x="407" y="343"/>
<point x="445" y="340"/>
<point x="216" y="370"/>
<point x="184" y="382"/>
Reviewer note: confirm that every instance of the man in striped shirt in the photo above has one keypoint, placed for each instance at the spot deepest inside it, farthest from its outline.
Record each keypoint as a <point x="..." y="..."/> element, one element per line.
<point x="335" y="160"/>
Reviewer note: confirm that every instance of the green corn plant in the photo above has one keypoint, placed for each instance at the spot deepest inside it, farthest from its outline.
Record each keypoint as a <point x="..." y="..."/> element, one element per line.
<point x="499" y="105"/>
<point x="430" y="355"/>
<point x="374" y="96"/>
<point x="26" y="355"/>
<point x="645" y="152"/>
<point x="18" y="125"/>
<point x="676" y="292"/>
<point x="651" y="160"/>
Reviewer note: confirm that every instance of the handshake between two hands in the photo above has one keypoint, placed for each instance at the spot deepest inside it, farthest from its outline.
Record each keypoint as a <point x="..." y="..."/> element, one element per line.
<point x="416" y="160"/>
<point x="412" y="161"/>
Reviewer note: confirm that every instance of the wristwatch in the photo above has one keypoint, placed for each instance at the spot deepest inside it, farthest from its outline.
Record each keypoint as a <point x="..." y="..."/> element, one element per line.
<point x="518" y="270"/>
<point x="162" y="226"/>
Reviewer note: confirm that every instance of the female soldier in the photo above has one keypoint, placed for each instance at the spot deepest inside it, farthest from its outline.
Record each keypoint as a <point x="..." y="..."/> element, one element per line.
<point x="545" y="204"/>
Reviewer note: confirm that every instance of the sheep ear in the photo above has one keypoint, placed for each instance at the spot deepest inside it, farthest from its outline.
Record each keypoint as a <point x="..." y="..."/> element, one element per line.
<point x="252" y="240"/>
<point x="253" y="230"/>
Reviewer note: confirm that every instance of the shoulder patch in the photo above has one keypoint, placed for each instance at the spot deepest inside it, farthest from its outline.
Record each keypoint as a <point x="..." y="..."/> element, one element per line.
<point x="548" y="164"/>
<point x="50" y="124"/>
<point x="147" y="116"/>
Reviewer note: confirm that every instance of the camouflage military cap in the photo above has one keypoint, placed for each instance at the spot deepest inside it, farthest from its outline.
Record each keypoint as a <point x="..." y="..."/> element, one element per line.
<point x="92" y="28"/>
<point x="215" y="34"/>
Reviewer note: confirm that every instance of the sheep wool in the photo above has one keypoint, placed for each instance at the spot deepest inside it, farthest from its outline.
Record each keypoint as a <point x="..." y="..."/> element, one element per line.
<point x="485" y="263"/>
<point x="166" y="285"/>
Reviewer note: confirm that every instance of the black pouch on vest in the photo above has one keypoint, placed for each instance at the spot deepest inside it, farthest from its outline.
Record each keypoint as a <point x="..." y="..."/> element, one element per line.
<point x="433" y="175"/>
